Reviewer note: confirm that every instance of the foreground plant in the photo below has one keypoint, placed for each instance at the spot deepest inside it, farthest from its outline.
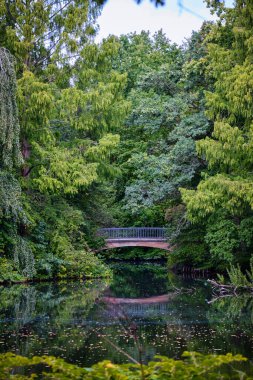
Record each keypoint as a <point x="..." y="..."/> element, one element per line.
<point x="192" y="366"/>
<point x="237" y="281"/>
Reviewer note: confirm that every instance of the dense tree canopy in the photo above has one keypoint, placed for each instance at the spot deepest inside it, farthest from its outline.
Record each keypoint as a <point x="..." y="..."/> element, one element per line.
<point x="70" y="103"/>
<point x="132" y="131"/>
<point x="157" y="151"/>
<point x="225" y="192"/>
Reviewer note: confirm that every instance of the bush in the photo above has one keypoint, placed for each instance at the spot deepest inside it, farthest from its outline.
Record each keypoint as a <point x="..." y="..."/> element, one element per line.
<point x="75" y="264"/>
<point x="222" y="240"/>
<point x="8" y="273"/>
<point x="191" y="254"/>
<point x="48" y="266"/>
<point x="238" y="278"/>
<point x="83" y="264"/>
<point x="135" y="253"/>
<point x="190" y="249"/>
<point x="192" y="366"/>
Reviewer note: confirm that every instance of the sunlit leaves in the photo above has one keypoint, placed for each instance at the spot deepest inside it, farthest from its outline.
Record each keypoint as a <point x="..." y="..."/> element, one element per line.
<point x="231" y="193"/>
<point x="229" y="150"/>
<point x="38" y="32"/>
<point x="63" y="171"/>
<point x="36" y="101"/>
<point x="102" y="150"/>
<point x="66" y="128"/>
<point x="192" y="366"/>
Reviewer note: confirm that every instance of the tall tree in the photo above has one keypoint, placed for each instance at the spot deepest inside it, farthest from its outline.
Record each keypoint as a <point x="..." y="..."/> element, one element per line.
<point x="70" y="102"/>
<point x="225" y="194"/>
<point x="18" y="252"/>
<point x="157" y="151"/>
<point x="41" y="32"/>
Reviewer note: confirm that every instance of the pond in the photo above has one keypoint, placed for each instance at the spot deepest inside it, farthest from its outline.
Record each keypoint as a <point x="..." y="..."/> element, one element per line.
<point x="144" y="311"/>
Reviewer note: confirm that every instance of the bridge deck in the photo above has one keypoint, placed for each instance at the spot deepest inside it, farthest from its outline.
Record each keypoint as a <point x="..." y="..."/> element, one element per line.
<point x="152" y="237"/>
<point x="134" y="239"/>
<point x="133" y="234"/>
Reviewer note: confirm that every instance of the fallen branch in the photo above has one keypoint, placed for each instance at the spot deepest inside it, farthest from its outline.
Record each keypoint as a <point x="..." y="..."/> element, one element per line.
<point x="219" y="297"/>
<point x="224" y="289"/>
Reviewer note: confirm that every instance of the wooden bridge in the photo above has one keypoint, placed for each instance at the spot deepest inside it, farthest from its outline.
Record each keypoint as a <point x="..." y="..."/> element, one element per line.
<point x="153" y="237"/>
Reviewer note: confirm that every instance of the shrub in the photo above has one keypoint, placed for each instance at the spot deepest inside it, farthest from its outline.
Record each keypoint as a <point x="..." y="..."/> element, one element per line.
<point x="8" y="273"/>
<point x="190" y="249"/>
<point x="83" y="264"/>
<point x="238" y="278"/>
<point x="222" y="240"/>
<point x="192" y="366"/>
<point x="48" y="266"/>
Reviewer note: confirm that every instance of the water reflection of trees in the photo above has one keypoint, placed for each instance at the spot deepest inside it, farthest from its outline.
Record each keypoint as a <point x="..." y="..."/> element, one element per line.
<point x="139" y="280"/>
<point x="74" y="320"/>
<point x="169" y="332"/>
<point x="232" y="309"/>
<point x="46" y="317"/>
<point x="190" y="323"/>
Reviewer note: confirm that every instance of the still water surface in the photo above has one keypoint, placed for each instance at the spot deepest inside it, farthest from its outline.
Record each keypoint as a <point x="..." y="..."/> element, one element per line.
<point x="143" y="307"/>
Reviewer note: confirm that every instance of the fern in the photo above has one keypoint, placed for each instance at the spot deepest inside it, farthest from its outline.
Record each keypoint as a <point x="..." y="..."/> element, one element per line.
<point x="237" y="277"/>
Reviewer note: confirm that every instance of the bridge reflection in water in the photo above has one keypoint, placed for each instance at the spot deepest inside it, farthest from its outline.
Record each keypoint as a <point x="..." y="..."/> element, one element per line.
<point x="153" y="237"/>
<point x="138" y="307"/>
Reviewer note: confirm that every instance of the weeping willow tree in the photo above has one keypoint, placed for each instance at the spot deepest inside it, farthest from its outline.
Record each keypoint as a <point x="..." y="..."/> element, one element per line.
<point x="9" y="125"/>
<point x="16" y="256"/>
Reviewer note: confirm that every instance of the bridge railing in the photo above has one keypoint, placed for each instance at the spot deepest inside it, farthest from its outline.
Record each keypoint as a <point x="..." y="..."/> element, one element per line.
<point x="133" y="233"/>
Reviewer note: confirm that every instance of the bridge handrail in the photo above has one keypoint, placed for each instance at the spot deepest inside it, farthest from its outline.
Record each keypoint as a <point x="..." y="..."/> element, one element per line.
<point x="133" y="233"/>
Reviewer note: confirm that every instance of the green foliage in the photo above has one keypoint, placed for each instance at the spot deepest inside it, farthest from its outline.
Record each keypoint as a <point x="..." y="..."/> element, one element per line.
<point x="24" y="258"/>
<point x="189" y="254"/>
<point x="59" y="242"/>
<point x="237" y="278"/>
<point x="229" y="151"/>
<point x="135" y="253"/>
<point x="49" y="266"/>
<point x="131" y="108"/>
<point x="39" y="33"/>
<point x="71" y="154"/>
<point x="157" y="151"/>
<point x="222" y="240"/>
<point x="190" y="249"/>
<point x="69" y="142"/>
<point x="8" y="273"/>
<point x="13" y="219"/>
<point x="12" y="215"/>
<point x="65" y="172"/>
<point x="246" y="232"/>
<point x="10" y="154"/>
<point x="192" y="366"/>
<point x="217" y="243"/>
<point x="232" y="188"/>
<point x="10" y="197"/>
<point x="70" y="102"/>
<point x="227" y="185"/>
<point x="81" y="263"/>
<point x="77" y="264"/>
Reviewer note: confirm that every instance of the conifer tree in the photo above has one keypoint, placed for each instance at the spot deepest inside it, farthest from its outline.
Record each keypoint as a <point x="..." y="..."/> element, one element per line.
<point x="70" y="102"/>
<point x="229" y="150"/>
<point x="225" y="193"/>
<point x="10" y="154"/>
<point x="17" y="253"/>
